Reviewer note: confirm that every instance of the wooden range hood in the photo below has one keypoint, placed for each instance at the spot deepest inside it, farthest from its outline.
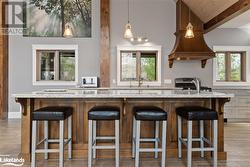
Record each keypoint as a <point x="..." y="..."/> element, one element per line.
<point x="189" y="49"/>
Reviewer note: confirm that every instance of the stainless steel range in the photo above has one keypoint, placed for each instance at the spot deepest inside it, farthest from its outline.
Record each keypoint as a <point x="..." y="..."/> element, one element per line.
<point x="190" y="83"/>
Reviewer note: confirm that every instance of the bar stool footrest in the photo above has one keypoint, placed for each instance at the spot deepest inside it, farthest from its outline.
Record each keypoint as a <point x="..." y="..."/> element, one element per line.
<point x="150" y="150"/>
<point x="104" y="147"/>
<point x="105" y="138"/>
<point x="47" y="151"/>
<point x="66" y="141"/>
<point x="150" y="139"/>
<point x="203" y="149"/>
<point x="184" y="140"/>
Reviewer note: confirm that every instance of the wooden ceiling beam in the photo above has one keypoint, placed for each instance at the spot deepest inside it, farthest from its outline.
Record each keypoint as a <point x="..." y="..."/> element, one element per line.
<point x="105" y="44"/>
<point x="235" y="10"/>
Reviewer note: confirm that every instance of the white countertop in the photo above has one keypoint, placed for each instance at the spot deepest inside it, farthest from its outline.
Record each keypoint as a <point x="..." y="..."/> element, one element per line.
<point x="120" y="93"/>
<point x="129" y="88"/>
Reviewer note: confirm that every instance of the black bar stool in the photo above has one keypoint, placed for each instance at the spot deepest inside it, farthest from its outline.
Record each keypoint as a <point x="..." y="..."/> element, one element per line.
<point x="149" y="113"/>
<point x="47" y="114"/>
<point x="194" y="113"/>
<point x="103" y="113"/>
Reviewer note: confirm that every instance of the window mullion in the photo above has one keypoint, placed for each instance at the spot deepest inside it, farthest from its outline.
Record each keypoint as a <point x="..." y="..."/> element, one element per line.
<point x="243" y="67"/>
<point x="56" y="66"/>
<point x="138" y="65"/>
<point x="228" y="66"/>
<point x="121" y="66"/>
<point x="38" y="65"/>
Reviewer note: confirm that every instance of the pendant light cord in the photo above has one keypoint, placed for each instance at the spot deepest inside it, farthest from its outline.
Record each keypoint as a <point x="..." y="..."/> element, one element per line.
<point x="189" y="14"/>
<point x="128" y="11"/>
<point x="180" y="13"/>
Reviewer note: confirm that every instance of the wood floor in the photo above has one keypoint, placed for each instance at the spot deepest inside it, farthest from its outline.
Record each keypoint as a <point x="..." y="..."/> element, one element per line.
<point x="237" y="144"/>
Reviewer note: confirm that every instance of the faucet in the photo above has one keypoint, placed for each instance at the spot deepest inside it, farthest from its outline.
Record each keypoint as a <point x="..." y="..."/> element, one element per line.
<point x="140" y="81"/>
<point x="196" y="82"/>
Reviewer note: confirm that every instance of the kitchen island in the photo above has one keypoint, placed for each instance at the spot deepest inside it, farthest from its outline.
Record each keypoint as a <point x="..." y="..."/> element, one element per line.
<point x="82" y="100"/>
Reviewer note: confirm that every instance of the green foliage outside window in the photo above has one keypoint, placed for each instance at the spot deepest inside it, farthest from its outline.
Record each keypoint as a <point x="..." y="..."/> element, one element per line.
<point x="131" y="61"/>
<point x="67" y="67"/>
<point x="148" y="68"/>
<point x="229" y="66"/>
<point x="235" y="67"/>
<point x="221" y="68"/>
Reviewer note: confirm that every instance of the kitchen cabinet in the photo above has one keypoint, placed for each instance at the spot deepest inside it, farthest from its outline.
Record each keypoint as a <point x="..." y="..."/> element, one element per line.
<point x="238" y="109"/>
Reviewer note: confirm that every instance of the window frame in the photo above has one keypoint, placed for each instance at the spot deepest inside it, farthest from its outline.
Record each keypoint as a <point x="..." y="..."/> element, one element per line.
<point x="149" y="49"/>
<point x="54" y="48"/>
<point x="232" y="49"/>
<point x="228" y="64"/>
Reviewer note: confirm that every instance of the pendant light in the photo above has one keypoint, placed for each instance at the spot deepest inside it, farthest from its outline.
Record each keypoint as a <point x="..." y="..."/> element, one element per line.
<point x="189" y="28"/>
<point x="128" y="28"/>
<point x="68" y="31"/>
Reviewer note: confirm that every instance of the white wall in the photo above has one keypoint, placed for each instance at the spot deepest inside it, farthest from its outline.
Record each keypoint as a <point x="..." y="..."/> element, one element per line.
<point x="152" y="18"/>
<point x="228" y="36"/>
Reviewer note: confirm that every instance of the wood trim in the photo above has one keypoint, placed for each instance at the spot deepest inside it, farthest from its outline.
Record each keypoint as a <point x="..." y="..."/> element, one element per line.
<point x="228" y="14"/>
<point x="138" y="66"/>
<point x="27" y="109"/>
<point x="3" y="65"/>
<point x="105" y="44"/>
<point x="228" y="66"/>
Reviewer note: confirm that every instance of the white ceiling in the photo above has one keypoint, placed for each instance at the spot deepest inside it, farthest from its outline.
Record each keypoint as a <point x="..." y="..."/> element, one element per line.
<point x="241" y="21"/>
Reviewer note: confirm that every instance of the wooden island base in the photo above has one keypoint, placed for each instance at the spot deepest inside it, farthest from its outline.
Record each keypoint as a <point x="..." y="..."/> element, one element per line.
<point x="80" y="123"/>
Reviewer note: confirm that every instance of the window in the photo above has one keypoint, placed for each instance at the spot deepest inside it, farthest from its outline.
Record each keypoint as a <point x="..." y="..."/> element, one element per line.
<point x="139" y="63"/>
<point x="231" y="66"/>
<point x="55" y="65"/>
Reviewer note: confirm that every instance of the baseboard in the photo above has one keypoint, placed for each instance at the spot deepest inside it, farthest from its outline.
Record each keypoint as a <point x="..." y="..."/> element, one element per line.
<point x="14" y="115"/>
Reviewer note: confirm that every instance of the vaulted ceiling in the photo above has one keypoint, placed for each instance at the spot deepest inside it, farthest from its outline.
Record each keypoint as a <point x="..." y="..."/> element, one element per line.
<point x="208" y="9"/>
<point x="217" y="12"/>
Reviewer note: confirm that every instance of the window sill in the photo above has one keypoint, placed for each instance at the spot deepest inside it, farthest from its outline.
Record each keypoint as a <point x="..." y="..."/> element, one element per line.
<point x="144" y="84"/>
<point x="55" y="83"/>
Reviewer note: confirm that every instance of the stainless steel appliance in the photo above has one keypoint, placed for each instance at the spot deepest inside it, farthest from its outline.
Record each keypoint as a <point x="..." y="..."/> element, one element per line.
<point x="190" y="83"/>
<point x="90" y="82"/>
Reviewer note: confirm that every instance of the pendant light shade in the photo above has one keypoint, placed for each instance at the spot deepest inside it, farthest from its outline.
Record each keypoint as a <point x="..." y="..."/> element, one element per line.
<point x="68" y="32"/>
<point x="189" y="31"/>
<point x="128" y="31"/>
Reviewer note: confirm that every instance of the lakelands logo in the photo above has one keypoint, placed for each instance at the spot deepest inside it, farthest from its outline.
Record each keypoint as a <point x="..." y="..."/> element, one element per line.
<point x="7" y="160"/>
